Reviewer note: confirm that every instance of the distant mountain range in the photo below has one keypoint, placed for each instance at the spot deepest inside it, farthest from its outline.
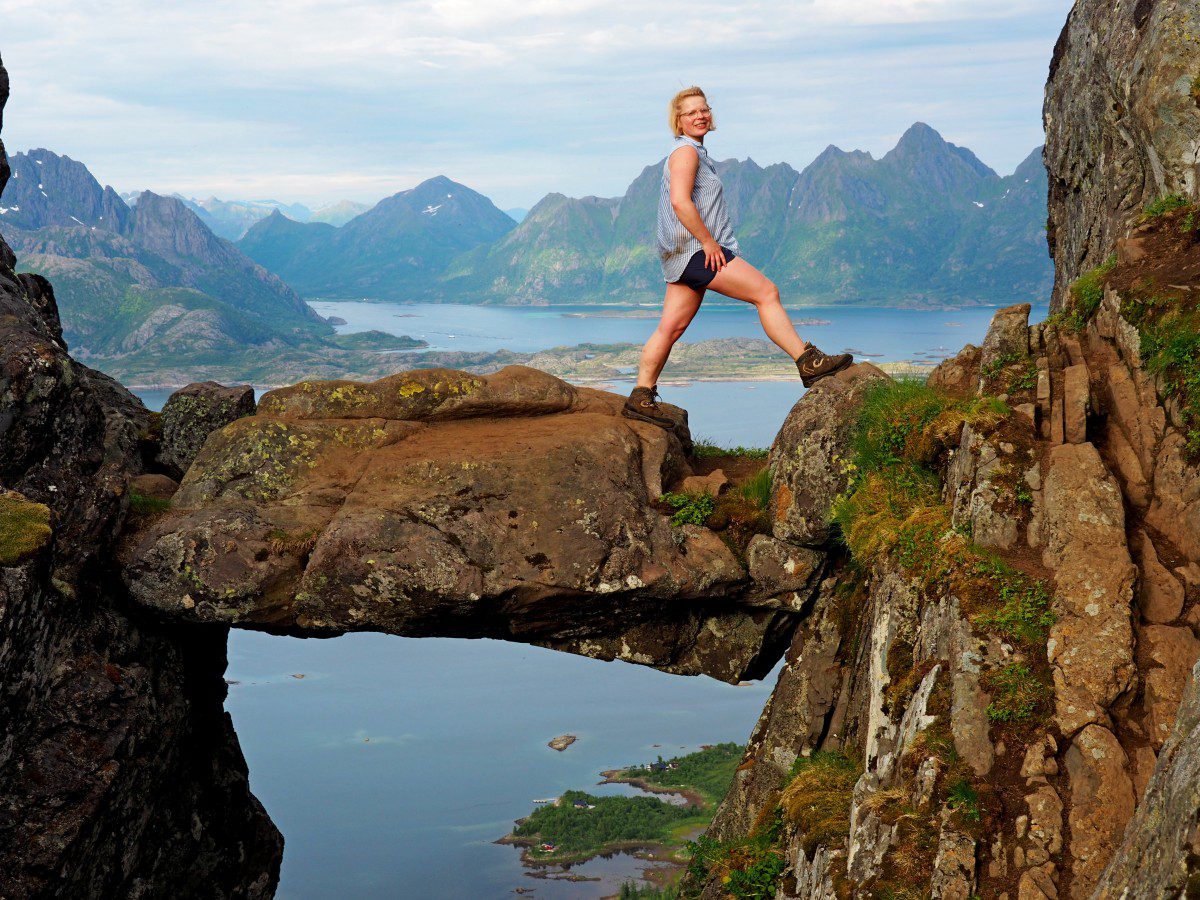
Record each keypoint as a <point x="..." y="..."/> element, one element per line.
<point x="926" y="224"/>
<point x="151" y="286"/>
<point x="230" y="219"/>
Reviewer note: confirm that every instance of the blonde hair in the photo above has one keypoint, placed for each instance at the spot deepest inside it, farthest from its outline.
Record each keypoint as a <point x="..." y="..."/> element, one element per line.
<point x="673" y="109"/>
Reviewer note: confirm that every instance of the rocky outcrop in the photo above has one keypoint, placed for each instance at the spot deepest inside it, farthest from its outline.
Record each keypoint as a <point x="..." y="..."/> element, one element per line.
<point x="192" y="413"/>
<point x="810" y="459"/>
<point x="893" y="666"/>
<point x="120" y="775"/>
<point x="1122" y="124"/>
<point x="435" y="502"/>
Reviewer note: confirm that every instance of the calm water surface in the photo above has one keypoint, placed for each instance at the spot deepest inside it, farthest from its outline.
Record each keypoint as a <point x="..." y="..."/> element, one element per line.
<point x="393" y="763"/>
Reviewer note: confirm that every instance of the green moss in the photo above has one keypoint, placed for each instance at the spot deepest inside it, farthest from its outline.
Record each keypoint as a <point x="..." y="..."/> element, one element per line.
<point x="141" y="505"/>
<point x="24" y="528"/>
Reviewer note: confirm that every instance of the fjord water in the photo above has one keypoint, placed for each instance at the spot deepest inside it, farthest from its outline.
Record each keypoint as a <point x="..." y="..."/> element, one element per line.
<point x="393" y="763"/>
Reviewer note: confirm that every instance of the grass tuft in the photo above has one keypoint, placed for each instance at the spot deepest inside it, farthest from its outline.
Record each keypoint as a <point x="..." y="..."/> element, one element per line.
<point x="24" y="528"/>
<point x="1017" y="693"/>
<point x="817" y="799"/>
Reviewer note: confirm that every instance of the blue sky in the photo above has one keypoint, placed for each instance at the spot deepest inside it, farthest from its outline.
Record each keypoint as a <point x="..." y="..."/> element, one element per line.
<point x="311" y="101"/>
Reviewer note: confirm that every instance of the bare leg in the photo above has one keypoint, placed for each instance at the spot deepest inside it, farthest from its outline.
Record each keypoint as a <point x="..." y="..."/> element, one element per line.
<point x="742" y="281"/>
<point x="679" y="308"/>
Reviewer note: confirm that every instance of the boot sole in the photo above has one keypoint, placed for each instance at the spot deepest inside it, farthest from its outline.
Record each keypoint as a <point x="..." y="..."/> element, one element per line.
<point x="630" y="414"/>
<point x="810" y="381"/>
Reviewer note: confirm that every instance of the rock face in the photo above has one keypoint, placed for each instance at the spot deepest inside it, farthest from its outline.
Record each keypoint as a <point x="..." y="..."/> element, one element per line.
<point x="120" y="774"/>
<point x="1122" y="124"/>
<point x="809" y="457"/>
<point x="192" y="413"/>
<point x="889" y="665"/>
<point x="435" y="502"/>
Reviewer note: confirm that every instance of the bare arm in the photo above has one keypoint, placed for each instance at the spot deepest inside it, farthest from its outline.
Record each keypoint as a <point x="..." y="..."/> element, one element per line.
<point x="683" y="166"/>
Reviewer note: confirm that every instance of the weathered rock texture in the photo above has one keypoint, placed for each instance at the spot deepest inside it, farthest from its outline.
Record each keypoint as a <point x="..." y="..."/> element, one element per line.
<point x="194" y="412"/>
<point x="886" y="667"/>
<point x="1122" y="124"/>
<point x="120" y="775"/>
<point x="436" y="502"/>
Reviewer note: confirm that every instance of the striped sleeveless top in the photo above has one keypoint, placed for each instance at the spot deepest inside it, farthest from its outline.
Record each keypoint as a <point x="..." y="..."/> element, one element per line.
<point x="677" y="245"/>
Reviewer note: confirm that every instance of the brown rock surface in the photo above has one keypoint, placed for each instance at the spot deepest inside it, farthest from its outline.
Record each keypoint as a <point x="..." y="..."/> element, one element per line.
<point x="1091" y="643"/>
<point x="810" y="453"/>
<point x="1160" y="593"/>
<point x="1075" y="404"/>
<point x="1101" y="803"/>
<point x="440" y="503"/>
<point x="1172" y="652"/>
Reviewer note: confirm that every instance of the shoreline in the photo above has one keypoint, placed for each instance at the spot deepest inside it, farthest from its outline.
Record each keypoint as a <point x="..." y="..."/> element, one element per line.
<point x="694" y="798"/>
<point x="901" y="367"/>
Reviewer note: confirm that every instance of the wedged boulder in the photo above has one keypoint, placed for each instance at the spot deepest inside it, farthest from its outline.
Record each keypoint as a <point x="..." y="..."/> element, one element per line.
<point x="512" y="506"/>
<point x="192" y="413"/>
<point x="811" y="452"/>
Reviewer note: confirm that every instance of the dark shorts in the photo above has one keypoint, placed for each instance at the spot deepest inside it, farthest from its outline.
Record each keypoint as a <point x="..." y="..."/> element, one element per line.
<point x="696" y="275"/>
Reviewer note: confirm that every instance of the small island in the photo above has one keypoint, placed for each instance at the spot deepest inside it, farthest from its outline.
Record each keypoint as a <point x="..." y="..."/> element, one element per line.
<point x="579" y="826"/>
<point x="562" y="742"/>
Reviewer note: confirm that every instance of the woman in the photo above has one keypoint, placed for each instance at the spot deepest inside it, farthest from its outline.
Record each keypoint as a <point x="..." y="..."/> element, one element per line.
<point x="699" y="252"/>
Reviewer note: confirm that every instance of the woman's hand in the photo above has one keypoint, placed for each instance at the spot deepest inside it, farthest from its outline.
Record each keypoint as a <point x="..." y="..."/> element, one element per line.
<point x="714" y="256"/>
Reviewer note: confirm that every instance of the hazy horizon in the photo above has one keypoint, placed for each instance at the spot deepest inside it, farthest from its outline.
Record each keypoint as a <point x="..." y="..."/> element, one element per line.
<point x="302" y="102"/>
<point x="203" y="195"/>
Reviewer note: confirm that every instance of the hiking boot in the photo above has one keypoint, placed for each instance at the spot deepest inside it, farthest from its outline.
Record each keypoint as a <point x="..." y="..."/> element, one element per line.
<point x="814" y="365"/>
<point x="643" y="405"/>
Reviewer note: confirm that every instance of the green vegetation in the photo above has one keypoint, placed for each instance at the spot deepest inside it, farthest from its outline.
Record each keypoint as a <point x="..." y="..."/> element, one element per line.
<point x="606" y="821"/>
<point x="1169" y="328"/>
<point x="747" y="868"/>
<point x="579" y="833"/>
<point x="631" y="891"/>
<point x="816" y="801"/>
<point x="1017" y="693"/>
<point x="1022" y="613"/>
<point x="24" y="528"/>
<point x="818" y="796"/>
<point x="141" y="505"/>
<point x="709" y="771"/>
<point x="1086" y="292"/>
<point x="962" y="797"/>
<point x="757" y="489"/>
<point x="691" y="508"/>
<point x="703" y="448"/>
<point x="1165" y="204"/>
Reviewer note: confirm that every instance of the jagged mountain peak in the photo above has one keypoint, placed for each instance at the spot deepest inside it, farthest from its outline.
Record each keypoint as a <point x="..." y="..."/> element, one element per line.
<point x="50" y="189"/>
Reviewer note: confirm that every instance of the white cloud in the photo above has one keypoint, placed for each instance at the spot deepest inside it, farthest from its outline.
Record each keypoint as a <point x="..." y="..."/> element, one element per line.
<point x="313" y="101"/>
